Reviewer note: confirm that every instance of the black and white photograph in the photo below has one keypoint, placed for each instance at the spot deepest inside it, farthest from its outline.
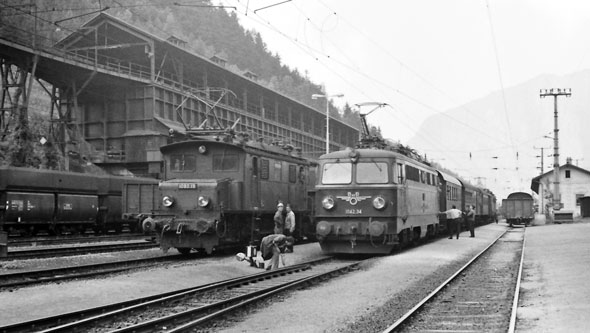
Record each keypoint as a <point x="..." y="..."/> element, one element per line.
<point x="294" y="166"/>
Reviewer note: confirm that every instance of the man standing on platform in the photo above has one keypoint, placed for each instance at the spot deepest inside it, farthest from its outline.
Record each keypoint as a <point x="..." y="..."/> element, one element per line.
<point x="289" y="225"/>
<point x="279" y="220"/>
<point x="471" y="220"/>
<point x="453" y="221"/>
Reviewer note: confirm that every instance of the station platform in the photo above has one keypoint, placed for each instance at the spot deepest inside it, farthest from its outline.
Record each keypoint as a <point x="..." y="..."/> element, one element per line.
<point x="555" y="286"/>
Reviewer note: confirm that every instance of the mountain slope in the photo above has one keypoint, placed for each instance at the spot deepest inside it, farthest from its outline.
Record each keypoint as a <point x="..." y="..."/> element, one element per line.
<point x="493" y="142"/>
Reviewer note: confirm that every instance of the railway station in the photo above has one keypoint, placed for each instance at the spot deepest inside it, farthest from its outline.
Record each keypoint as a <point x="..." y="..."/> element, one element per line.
<point x="190" y="195"/>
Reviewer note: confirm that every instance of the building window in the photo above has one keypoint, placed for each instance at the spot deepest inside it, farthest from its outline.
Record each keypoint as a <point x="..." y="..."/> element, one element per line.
<point x="567" y="174"/>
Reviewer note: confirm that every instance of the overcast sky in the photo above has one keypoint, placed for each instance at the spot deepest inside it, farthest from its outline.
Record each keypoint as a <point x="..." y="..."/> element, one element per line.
<point x="421" y="56"/>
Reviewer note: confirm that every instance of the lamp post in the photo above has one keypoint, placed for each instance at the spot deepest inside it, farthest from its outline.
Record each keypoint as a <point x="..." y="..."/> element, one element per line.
<point x="327" y="97"/>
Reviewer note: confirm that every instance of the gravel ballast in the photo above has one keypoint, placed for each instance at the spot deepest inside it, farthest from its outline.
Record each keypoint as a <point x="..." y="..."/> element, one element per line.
<point x="363" y="301"/>
<point x="358" y="301"/>
<point x="29" y="303"/>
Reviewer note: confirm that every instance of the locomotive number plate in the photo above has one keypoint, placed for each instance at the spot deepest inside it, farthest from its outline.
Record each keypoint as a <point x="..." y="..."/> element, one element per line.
<point x="353" y="211"/>
<point x="187" y="186"/>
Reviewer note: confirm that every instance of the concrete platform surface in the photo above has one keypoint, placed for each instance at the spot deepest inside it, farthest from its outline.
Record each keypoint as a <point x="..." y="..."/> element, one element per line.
<point x="555" y="287"/>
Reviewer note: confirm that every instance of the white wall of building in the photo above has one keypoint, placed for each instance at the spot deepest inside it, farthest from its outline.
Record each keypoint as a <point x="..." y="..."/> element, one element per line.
<point x="572" y="181"/>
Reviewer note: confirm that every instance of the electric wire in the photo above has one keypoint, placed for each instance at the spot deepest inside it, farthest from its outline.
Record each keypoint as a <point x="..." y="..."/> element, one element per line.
<point x="312" y="52"/>
<point x="309" y="50"/>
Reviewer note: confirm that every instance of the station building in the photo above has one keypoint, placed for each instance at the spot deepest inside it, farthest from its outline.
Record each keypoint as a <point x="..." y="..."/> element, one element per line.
<point x="574" y="184"/>
<point x="118" y="90"/>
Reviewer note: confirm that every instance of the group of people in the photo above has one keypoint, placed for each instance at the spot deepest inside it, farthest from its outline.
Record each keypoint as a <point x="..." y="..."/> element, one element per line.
<point x="454" y="217"/>
<point x="282" y="240"/>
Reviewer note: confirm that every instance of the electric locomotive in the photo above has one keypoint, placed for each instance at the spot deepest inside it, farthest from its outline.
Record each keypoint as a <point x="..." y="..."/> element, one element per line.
<point x="373" y="200"/>
<point x="221" y="191"/>
<point x="380" y="196"/>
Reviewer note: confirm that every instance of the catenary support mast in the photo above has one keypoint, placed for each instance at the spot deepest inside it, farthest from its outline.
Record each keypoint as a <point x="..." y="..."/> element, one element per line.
<point x="555" y="93"/>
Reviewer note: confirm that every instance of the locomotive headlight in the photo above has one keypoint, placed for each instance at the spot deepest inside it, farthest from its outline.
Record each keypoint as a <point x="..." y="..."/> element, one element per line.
<point x="328" y="203"/>
<point x="379" y="203"/>
<point x="167" y="201"/>
<point x="202" y="149"/>
<point x="203" y="201"/>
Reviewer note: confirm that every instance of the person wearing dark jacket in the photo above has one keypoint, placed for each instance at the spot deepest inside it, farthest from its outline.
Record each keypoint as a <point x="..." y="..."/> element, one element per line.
<point x="471" y="220"/>
<point x="271" y="248"/>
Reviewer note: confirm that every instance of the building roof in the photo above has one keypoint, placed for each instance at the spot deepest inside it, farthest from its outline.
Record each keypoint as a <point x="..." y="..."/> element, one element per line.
<point x="136" y="37"/>
<point x="537" y="180"/>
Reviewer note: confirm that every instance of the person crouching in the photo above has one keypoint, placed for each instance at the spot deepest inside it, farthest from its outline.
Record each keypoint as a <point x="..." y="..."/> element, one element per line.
<point x="272" y="246"/>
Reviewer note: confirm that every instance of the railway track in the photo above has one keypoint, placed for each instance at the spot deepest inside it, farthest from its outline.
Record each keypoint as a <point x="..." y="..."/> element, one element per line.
<point x="481" y="296"/>
<point x="59" y="240"/>
<point x="77" y="250"/>
<point x="191" y="308"/>
<point x="20" y="279"/>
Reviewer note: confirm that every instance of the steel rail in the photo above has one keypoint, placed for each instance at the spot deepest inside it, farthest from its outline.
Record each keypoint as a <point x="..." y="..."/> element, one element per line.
<point x="59" y="240"/>
<point x="69" y="251"/>
<point x="512" y="327"/>
<point x="79" y="271"/>
<point x="248" y="301"/>
<point x="96" y="313"/>
<point x="419" y="305"/>
<point x="79" y="325"/>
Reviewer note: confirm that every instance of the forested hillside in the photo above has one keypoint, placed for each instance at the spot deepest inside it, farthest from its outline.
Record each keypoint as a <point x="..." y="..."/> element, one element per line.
<point x="208" y="31"/>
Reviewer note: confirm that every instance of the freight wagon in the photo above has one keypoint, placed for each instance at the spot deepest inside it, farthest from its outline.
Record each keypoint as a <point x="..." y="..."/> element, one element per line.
<point x="518" y="208"/>
<point x="56" y="202"/>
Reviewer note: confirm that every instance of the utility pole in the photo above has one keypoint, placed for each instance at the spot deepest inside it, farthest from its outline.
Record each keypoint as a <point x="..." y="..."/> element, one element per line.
<point x="542" y="156"/>
<point x="542" y="192"/>
<point x="555" y="93"/>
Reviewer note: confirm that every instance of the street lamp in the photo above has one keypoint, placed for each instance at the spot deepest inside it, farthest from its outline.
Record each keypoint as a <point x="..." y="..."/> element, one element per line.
<point x="327" y="97"/>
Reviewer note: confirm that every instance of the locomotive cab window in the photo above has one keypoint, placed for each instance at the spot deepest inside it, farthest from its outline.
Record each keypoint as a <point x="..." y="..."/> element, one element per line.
<point x="337" y="173"/>
<point x="412" y="173"/>
<point x="371" y="173"/>
<point x="183" y="162"/>
<point x="225" y="162"/>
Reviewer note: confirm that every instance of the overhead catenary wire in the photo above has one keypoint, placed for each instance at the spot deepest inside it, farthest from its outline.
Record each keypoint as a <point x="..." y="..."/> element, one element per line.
<point x="323" y="58"/>
<point x="314" y="53"/>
